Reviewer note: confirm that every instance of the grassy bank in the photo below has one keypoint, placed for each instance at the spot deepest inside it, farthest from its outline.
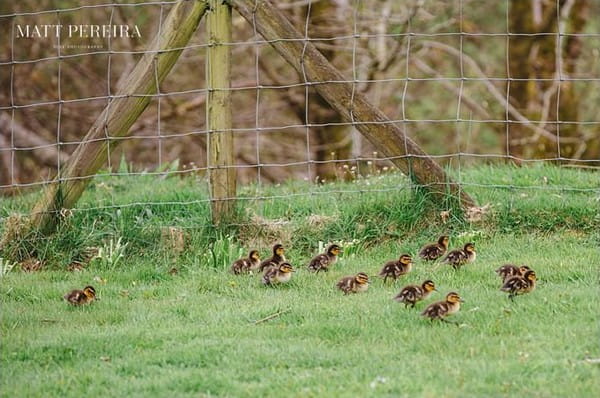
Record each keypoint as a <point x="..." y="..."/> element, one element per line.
<point x="192" y="333"/>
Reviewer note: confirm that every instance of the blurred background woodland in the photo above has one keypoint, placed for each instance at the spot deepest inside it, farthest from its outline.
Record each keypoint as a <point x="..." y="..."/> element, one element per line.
<point x="450" y="90"/>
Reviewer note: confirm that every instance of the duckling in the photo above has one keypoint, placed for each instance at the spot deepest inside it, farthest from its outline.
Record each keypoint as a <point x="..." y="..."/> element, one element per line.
<point x="459" y="257"/>
<point x="394" y="269"/>
<point x="433" y="251"/>
<point x="518" y="285"/>
<point x="441" y="309"/>
<point x="412" y="293"/>
<point x="507" y="271"/>
<point x="354" y="284"/>
<point x="274" y="260"/>
<point x="277" y="274"/>
<point x="322" y="261"/>
<point x="248" y="264"/>
<point x="80" y="297"/>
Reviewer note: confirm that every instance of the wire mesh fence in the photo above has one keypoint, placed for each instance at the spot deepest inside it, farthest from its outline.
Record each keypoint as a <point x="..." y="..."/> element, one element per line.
<point x="506" y="82"/>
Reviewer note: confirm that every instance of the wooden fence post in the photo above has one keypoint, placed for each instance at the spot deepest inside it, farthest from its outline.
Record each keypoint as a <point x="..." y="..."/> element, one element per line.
<point x="222" y="175"/>
<point x="115" y="120"/>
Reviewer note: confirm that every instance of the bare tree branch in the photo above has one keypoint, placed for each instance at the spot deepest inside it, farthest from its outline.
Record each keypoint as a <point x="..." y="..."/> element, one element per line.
<point x="499" y="96"/>
<point x="470" y="103"/>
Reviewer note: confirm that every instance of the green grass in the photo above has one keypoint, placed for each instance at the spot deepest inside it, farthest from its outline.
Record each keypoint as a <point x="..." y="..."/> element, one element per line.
<point x="191" y="334"/>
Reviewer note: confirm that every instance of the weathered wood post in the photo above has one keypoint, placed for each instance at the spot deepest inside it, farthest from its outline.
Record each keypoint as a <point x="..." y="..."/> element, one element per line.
<point x="222" y="175"/>
<point x="389" y="139"/>
<point x="114" y="121"/>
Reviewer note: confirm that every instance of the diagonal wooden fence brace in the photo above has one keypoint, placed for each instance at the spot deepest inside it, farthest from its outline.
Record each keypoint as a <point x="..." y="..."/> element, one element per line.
<point x="115" y="120"/>
<point x="388" y="138"/>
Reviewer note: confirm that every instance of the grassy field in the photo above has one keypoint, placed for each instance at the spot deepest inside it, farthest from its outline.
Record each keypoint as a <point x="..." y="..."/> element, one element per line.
<point x="192" y="333"/>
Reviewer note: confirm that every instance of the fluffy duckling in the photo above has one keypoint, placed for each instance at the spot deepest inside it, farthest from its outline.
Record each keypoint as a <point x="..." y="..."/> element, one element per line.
<point x="396" y="268"/>
<point x="354" y="284"/>
<point x="248" y="264"/>
<point x="518" y="284"/>
<point x="507" y="271"/>
<point x="322" y="261"/>
<point x="459" y="257"/>
<point x="433" y="251"/>
<point x="441" y="309"/>
<point x="277" y="274"/>
<point x="412" y="293"/>
<point x="275" y="260"/>
<point x="80" y="297"/>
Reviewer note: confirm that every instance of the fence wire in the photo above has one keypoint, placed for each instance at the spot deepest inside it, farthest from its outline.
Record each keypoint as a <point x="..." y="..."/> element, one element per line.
<point x="413" y="59"/>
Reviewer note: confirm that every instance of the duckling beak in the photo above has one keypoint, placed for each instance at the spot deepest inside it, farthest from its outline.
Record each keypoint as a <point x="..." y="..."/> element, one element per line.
<point x="462" y="300"/>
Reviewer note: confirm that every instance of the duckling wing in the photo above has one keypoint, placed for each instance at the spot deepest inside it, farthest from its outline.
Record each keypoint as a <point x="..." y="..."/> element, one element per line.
<point x="514" y="284"/>
<point x="270" y="262"/>
<point x="75" y="297"/>
<point x="345" y="284"/>
<point x="455" y="257"/>
<point x="431" y="252"/>
<point x="319" y="262"/>
<point x="435" y="310"/>
<point x="238" y="266"/>
<point x="504" y="270"/>
<point x="407" y="294"/>
<point x="389" y="268"/>
<point x="269" y="275"/>
<point x="507" y="271"/>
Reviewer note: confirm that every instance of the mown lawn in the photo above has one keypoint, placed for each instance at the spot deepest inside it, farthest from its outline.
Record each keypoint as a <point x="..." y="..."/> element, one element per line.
<point x="192" y="333"/>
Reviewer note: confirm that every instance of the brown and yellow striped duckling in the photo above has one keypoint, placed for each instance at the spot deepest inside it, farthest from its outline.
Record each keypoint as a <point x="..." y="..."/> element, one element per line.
<point x="433" y="251"/>
<point x="412" y="293"/>
<point x="459" y="257"/>
<point x="322" y="261"/>
<point x="518" y="284"/>
<point x="394" y="269"/>
<point x="441" y="309"/>
<point x="244" y="265"/>
<point x="354" y="284"/>
<point x="80" y="297"/>
<point x="275" y="260"/>
<point x="277" y="274"/>
<point x="507" y="271"/>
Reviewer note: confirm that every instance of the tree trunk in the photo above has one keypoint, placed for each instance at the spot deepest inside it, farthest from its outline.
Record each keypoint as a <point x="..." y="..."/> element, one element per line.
<point x="535" y="57"/>
<point x="330" y="142"/>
